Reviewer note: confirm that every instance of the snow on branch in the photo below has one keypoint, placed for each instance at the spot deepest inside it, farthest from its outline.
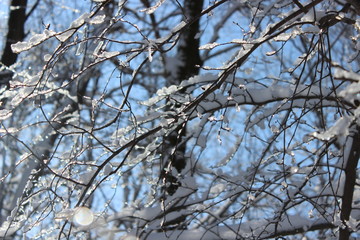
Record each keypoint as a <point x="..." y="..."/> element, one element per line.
<point x="262" y="229"/>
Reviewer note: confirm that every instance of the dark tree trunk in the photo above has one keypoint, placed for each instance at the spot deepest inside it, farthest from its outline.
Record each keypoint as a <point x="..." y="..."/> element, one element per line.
<point x="189" y="45"/>
<point x="16" y="32"/>
<point x="351" y="161"/>
<point x="189" y="55"/>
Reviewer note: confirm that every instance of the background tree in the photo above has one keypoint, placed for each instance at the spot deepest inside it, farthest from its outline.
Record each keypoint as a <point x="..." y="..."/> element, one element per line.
<point x="180" y="120"/>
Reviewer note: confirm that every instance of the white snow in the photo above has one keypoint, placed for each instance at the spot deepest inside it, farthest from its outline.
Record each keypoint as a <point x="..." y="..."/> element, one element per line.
<point x="38" y="38"/>
<point x="311" y="29"/>
<point x="150" y="52"/>
<point x="20" y="47"/>
<point x="80" y="49"/>
<point x="270" y="53"/>
<point x="108" y="54"/>
<point x="312" y="16"/>
<point x="9" y="228"/>
<point x="209" y="46"/>
<point x="344" y="74"/>
<point x="217" y="189"/>
<point x="283" y="37"/>
<point x="239" y="41"/>
<point x="80" y="20"/>
<point x="152" y="9"/>
<point x="62" y="37"/>
<point x="178" y="27"/>
<point x="340" y="128"/>
<point x="34" y="40"/>
<point x="96" y="20"/>
<point x="5" y="113"/>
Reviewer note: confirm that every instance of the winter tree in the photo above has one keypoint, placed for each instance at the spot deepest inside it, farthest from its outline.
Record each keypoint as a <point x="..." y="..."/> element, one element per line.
<point x="180" y="119"/>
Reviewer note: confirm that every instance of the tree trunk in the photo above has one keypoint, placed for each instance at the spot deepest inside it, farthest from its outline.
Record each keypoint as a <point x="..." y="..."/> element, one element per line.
<point x="190" y="58"/>
<point x="15" y="33"/>
<point x="189" y="55"/>
<point x="351" y="159"/>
